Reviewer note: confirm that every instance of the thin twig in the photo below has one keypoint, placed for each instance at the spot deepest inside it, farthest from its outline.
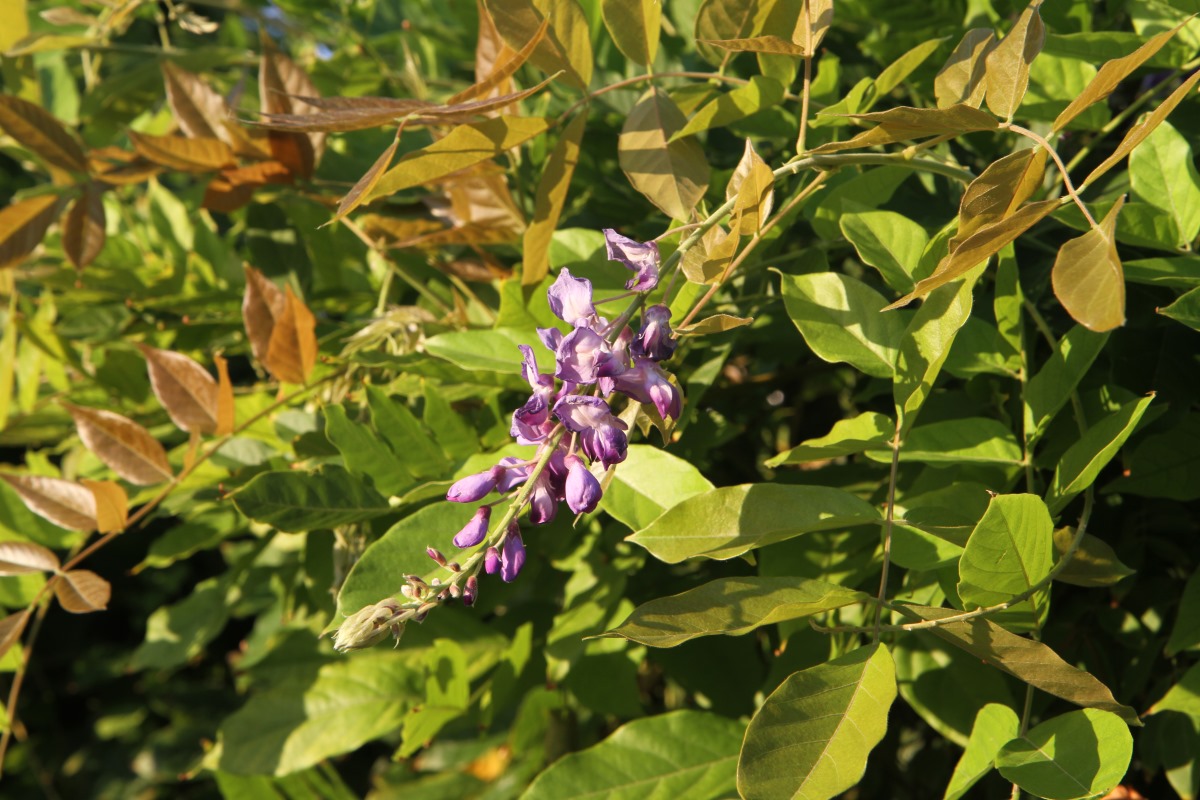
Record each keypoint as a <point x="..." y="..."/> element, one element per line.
<point x="887" y="532"/>
<point x="1062" y="169"/>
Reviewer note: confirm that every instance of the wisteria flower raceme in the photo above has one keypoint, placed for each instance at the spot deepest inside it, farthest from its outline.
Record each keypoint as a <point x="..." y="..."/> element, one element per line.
<point x="571" y="298"/>
<point x="646" y="382"/>
<point x="601" y="435"/>
<point x="579" y="354"/>
<point x="642" y="258"/>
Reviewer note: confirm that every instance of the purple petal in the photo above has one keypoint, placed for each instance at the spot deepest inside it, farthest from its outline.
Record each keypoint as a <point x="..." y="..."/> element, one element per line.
<point x="654" y="339"/>
<point x="579" y="354"/>
<point x="642" y="258"/>
<point x="491" y="561"/>
<point x="474" y="487"/>
<point x="571" y="298"/>
<point x="551" y="337"/>
<point x="516" y="471"/>
<point x="583" y="490"/>
<point x="470" y="591"/>
<point x="512" y="556"/>
<point x="475" y="531"/>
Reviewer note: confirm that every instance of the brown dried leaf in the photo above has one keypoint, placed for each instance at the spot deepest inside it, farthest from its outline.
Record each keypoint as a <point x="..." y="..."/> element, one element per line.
<point x="672" y="175"/>
<point x="262" y="303"/>
<point x="490" y="50"/>
<point x="112" y="505"/>
<point x="200" y="111"/>
<point x="122" y="444"/>
<point x="185" y="389"/>
<point x="904" y="123"/>
<point x="83" y="232"/>
<point x="11" y="628"/>
<point x="188" y="155"/>
<point x="1088" y="279"/>
<point x="64" y="503"/>
<point x="999" y="191"/>
<point x="226" y="419"/>
<point x="551" y="197"/>
<point x="964" y="77"/>
<point x="292" y="350"/>
<point x="1008" y="62"/>
<point x="82" y="591"/>
<point x="753" y="184"/>
<point x="281" y="84"/>
<point x="19" y="558"/>
<point x="233" y="188"/>
<point x="768" y="43"/>
<point x="41" y="132"/>
<point x="23" y="224"/>
<point x="567" y="45"/>
<point x="1138" y="133"/>
<point x="117" y="167"/>
<point x="503" y="68"/>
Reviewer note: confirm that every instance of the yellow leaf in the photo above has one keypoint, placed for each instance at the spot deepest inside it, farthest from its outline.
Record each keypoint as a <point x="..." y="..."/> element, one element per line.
<point x="1088" y="279"/>
<point x="718" y="323"/>
<point x="122" y="444"/>
<point x="292" y="351"/>
<point x="567" y="45"/>
<point x="83" y="233"/>
<point x="66" y="504"/>
<point x="963" y="79"/>
<point x="706" y="262"/>
<point x="112" y="505"/>
<point x="815" y="18"/>
<point x="185" y="389"/>
<point x="82" y="591"/>
<point x="551" y="197"/>
<point x="904" y="123"/>
<point x="41" y="132"/>
<point x="1008" y="62"/>
<point x="367" y="182"/>
<point x="23" y="224"/>
<point x="753" y="184"/>
<point x="634" y="26"/>
<point x="999" y="191"/>
<point x="768" y="43"/>
<point x="672" y="175"/>
<point x="177" y="152"/>
<point x="225" y="406"/>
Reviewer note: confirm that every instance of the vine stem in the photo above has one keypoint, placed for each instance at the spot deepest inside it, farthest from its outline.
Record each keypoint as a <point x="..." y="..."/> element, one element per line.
<point x="139" y="517"/>
<point x="887" y="533"/>
<point x="1062" y="169"/>
<point x="807" y="88"/>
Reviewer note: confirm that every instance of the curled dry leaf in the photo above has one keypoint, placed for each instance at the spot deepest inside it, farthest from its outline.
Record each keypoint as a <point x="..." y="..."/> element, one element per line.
<point x="64" y="503"/>
<point x="504" y="60"/>
<point x="112" y="505"/>
<point x="23" y="224"/>
<point x="83" y="233"/>
<point x="18" y="558"/>
<point x="82" y="591"/>
<point x="11" y="628"/>
<point x="185" y="389"/>
<point x="125" y="446"/>
<point x="292" y="350"/>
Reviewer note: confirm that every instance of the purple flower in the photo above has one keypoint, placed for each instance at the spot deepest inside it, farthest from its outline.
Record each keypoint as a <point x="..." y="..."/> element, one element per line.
<point x="470" y="591"/>
<point x="512" y="555"/>
<point x="579" y="354"/>
<point x="571" y="298"/>
<point x="475" y="487"/>
<point x="491" y="561"/>
<point x="475" y="531"/>
<point x="583" y="490"/>
<point x="547" y="490"/>
<point x="654" y="339"/>
<point x="641" y="258"/>
<point x="647" y="383"/>
<point x="516" y="472"/>
<point x="600" y="433"/>
<point x="551" y="337"/>
<point x="529" y="421"/>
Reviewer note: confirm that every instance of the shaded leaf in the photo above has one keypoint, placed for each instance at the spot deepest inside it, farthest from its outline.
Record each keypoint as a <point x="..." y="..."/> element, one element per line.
<point x="680" y="753"/>
<point x="1050" y="388"/>
<point x="717" y="323"/>
<point x="634" y="26"/>
<point x="112" y="505"/>
<point x="82" y="591"/>
<point x="1027" y="660"/>
<point x="847" y="437"/>
<point x="964" y="79"/>
<point x="64" y="503"/>
<point x="1007" y="554"/>
<point x="1087" y="276"/>
<point x="18" y="558"/>
<point x="812" y="736"/>
<point x="672" y="175"/>
<point x="730" y="606"/>
<point x="839" y="318"/>
<point x="903" y="123"/>
<point x="185" y="389"/>
<point x="11" y="628"/>
<point x="548" y="205"/>
<point x="1094" y="563"/>
<point x="1079" y="466"/>
<point x="292" y="349"/>
<point x="753" y="184"/>
<point x="281" y="86"/>
<point x="732" y="520"/>
<point x="365" y="453"/>
<point x="767" y="43"/>
<point x="177" y="152"/>
<point x="994" y="726"/>
<point x="83" y="232"/>
<point x="706" y="262"/>
<point x="262" y="303"/>
<point x="1008" y="62"/>
<point x="122" y="444"/>
<point x="723" y="19"/>
<point x="999" y="191"/>
<point x="178" y="632"/>
<point x="1080" y="754"/>
<point x="406" y="436"/>
<point x="366" y="183"/>
<point x="297" y="501"/>
<point x="41" y="132"/>
<point x="23" y="224"/>
<point x="1185" y="633"/>
<point x="567" y="45"/>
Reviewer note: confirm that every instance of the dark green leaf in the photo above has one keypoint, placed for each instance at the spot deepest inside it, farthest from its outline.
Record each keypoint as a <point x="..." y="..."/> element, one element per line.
<point x="1079" y="466"/>
<point x="295" y="501"/>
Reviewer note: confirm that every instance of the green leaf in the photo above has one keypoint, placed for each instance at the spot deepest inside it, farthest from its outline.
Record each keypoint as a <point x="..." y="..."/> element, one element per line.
<point x="1185" y="633"/>
<point x="1162" y="172"/>
<point x="1182" y="272"/>
<point x="550" y="199"/>
<point x="1094" y="563"/>
<point x="1185" y="309"/>
<point x="732" y="520"/>
<point x="839" y="318"/>
<point x="976" y="439"/>
<point x="179" y="632"/>
<point x="904" y="123"/>
<point x="1088" y="279"/>
<point x="1079" y="466"/>
<point x="847" y="437"/>
<point x="1165" y="465"/>
<point x="1077" y="755"/>
<point x="408" y="439"/>
<point x="863" y="192"/>
<point x="649" y="481"/>
<point x="681" y="753"/>
<point x="994" y="726"/>
<point x="926" y="344"/>
<point x="1024" y="659"/>
<point x="980" y="349"/>
<point x="365" y="453"/>
<point x="447" y="694"/>
<point x="887" y="241"/>
<point x="1049" y="389"/>
<point x="1009" y="552"/>
<point x="895" y="73"/>
<point x="634" y="26"/>
<point x="760" y="93"/>
<point x="457" y="438"/>
<point x="917" y="549"/>
<point x="295" y="501"/>
<point x="1183" y="697"/>
<point x="1008" y="62"/>
<point x="350" y="702"/>
<point x="673" y="175"/>
<point x="963" y="79"/>
<point x="730" y="606"/>
<point x="812" y="736"/>
<point x="494" y="350"/>
<point x="567" y="45"/>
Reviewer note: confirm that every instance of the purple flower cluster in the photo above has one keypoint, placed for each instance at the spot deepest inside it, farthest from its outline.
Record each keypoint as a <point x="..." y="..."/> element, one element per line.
<point x="567" y="414"/>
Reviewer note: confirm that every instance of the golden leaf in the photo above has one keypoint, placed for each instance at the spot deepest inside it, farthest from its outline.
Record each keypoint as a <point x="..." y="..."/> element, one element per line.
<point x="262" y="303"/>
<point x="82" y="591"/>
<point x="225" y="406"/>
<point x="23" y="224"/>
<point x="112" y="505"/>
<point x="64" y="503"/>
<point x="672" y="175"/>
<point x="292" y="350"/>
<point x="1088" y="279"/>
<point x="1008" y="62"/>
<point x="188" y="155"/>
<point x="41" y="132"/>
<point x="83" y="232"/>
<point x="122" y="444"/>
<point x="185" y="389"/>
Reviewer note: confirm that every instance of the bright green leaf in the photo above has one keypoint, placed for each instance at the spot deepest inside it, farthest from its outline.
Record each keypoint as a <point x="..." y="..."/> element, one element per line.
<point x="1009" y="552"/>
<point x="887" y="241"/>
<point x="1079" y="466"/>
<point x="848" y="436"/>
<point x="649" y="481"/>
<point x="976" y="439"/>
<point x="994" y="726"/>
<point x="1050" y="388"/>
<point x="741" y="102"/>
<point x="1080" y="754"/>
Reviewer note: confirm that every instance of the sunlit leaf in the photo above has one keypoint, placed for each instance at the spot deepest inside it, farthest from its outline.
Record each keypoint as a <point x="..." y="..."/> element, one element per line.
<point x="1051" y="386"/>
<point x="225" y="402"/>
<point x="178" y="152"/>
<point x="730" y="606"/>
<point x="82" y="591"/>
<point x="185" y="389"/>
<point x="1077" y="755"/>
<point x="122" y="444"/>
<point x="717" y="323"/>
<point x="491" y="52"/>
<point x="847" y="437"/>
<point x="976" y="440"/>
<point x="706" y="262"/>
<point x="64" y="503"/>
<point x="723" y="19"/>
<point x="903" y="123"/>
<point x="767" y="43"/>
<point x="1088" y="279"/>
<point x="753" y="184"/>
<point x="760" y="93"/>
<point x="200" y="111"/>
<point x="812" y="736"/>
<point x="83" y="233"/>
<point x="1008" y="553"/>
<point x="551" y="197"/>
<point x="1162" y="171"/>
<point x="999" y="191"/>
<point x="262" y="303"/>
<point x="567" y="45"/>
<point x="112" y="505"/>
<point x="994" y="726"/>
<point x="895" y="73"/>
<point x="18" y="558"/>
<point x="815" y="18"/>
<point x="887" y="241"/>
<point x="23" y="224"/>
<point x="367" y="182"/>
<point x="1081" y="464"/>
<point x="963" y="79"/>
<point x="648" y="482"/>
<point x="281" y="85"/>
<point x="488" y="84"/>
<point x="39" y="130"/>
<point x="1008" y="62"/>
<point x="634" y="27"/>
<point x="672" y="175"/>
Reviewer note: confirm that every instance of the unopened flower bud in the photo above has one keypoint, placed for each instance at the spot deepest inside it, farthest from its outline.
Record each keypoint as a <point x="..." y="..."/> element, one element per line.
<point x="436" y="556"/>
<point x="512" y="557"/>
<point x="583" y="490"/>
<point x="475" y="487"/>
<point x="475" y="531"/>
<point x="470" y="591"/>
<point x="368" y="626"/>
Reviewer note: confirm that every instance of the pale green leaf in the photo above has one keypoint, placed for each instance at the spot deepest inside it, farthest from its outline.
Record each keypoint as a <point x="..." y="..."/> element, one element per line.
<point x="1162" y="172"/>
<point x="365" y="454"/>
<point x="994" y="726"/>
<point x="1050" y="388"/>
<point x="1079" y="466"/>
<point x="648" y="482"/>
<point x="1080" y="754"/>
<point x="887" y="241"/>
<point x="673" y="175"/>
<point x="490" y="350"/>
<point x="1010" y="551"/>
<point x="975" y="440"/>
<point x="812" y="736"/>
<point x="848" y="436"/>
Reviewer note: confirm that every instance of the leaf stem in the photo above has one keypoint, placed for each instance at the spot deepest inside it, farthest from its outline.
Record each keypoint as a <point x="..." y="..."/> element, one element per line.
<point x="807" y="88"/>
<point x="887" y="533"/>
<point x="1062" y="169"/>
